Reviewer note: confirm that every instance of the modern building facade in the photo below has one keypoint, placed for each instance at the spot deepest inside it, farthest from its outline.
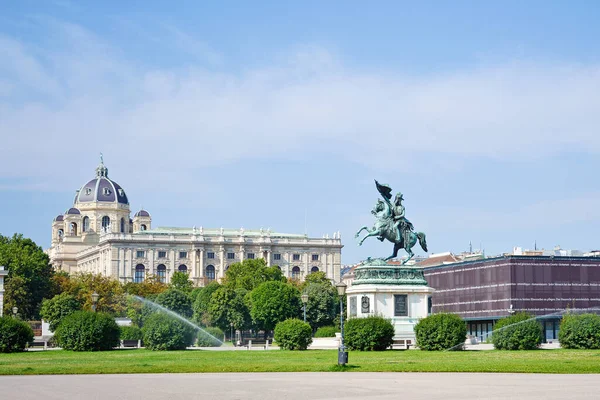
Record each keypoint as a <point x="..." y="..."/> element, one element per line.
<point x="97" y="235"/>
<point x="482" y="291"/>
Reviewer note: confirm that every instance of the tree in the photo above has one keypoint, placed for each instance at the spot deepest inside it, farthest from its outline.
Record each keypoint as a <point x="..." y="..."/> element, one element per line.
<point x="202" y="302"/>
<point x="249" y="274"/>
<point x="229" y="306"/>
<point x="322" y="300"/>
<point x="55" y="309"/>
<point x="180" y="281"/>
<point x="149" y="286"/>
<point x="273" y="302"/>
<point x="26" y="260"/>
<point x="112" y="298"/>
<point x="176" y="301"/>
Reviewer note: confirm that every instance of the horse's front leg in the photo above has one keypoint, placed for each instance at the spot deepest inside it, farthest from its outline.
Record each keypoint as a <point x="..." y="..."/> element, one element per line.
<point x="360" y="230"/>
<point x="371" y="233"/>
<point x="410" y="255"/>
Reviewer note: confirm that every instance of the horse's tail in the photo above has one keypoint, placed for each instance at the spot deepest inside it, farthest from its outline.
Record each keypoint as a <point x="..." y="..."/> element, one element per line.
<point x="422" y="240"/>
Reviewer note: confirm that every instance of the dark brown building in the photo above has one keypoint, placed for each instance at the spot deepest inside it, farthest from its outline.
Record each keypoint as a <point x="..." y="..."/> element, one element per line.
<point x="483" y="291"/>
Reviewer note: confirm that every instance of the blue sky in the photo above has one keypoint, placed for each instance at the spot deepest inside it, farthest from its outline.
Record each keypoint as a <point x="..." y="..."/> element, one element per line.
<point x="485" y="115"/>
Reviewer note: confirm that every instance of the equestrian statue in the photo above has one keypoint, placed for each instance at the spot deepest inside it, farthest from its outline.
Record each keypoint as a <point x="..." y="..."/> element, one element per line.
<point x="391" y="224"/>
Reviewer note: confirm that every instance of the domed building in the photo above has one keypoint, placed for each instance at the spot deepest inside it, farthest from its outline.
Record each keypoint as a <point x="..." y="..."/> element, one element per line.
<point x="97" y="235"/>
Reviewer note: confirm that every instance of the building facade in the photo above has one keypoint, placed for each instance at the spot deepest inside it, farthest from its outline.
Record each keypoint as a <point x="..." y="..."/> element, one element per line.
<point x="97" y="235"/>
<point x="482" y="291"/>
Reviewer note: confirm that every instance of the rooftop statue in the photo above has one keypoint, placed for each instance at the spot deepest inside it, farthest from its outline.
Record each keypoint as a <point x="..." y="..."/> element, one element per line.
<point x="391" y="224"/>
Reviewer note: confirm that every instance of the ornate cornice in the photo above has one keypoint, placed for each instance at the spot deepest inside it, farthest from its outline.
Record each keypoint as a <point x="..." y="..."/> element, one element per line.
<point x="378" y="271"/>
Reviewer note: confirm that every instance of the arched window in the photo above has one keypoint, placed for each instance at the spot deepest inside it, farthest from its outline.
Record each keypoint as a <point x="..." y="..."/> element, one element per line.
<point x="122" y="225"/>
<point x="314" y="269"/>
<point x="183" y="268"/>
<point x="140" y="270"/>
<point x="86" y="224"/>
<point x="296" y="272"/>
<point x="210" y="272"/>
<point x="73" y="228"/>
<point x="105" y="221"/>
<point x="143" y="227"/>
<point x="161" y="272"/>
<point x="61" y="233"/>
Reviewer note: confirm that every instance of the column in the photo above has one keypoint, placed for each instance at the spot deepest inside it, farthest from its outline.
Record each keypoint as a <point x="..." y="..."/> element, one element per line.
<point x="201" y="275"/>
<point x="194" y="271"/>
<point x="242" y="253"/>
<point x="306" y="267"/>
<point x="222" y="268"/>
<point x="269" y="258"/>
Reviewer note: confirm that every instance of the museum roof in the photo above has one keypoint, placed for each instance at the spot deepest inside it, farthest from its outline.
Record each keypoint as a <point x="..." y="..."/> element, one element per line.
<point x="101" y="189"/>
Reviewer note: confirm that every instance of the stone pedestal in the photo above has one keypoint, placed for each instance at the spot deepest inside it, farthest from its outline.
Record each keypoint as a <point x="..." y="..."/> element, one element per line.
<point x="398" y="293"/>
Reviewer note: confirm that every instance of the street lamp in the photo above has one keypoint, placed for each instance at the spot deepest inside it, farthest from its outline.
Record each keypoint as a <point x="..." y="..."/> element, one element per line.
<point x="15" y="310"/>
<point x="304" y="301"/>
<point x="231" y="331"/>
<point x="95" y="297"/>
<point x="342" y="353"/>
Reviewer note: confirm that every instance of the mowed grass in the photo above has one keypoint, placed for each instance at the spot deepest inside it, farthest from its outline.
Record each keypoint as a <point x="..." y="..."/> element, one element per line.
<point x="145" y="361"/>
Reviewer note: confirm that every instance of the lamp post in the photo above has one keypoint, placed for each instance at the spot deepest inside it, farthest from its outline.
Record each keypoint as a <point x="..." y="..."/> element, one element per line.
<point x="15" y="310"/>
<point x="342" y="353"/>
<point x="231" y="331"/>
<point x="304" y="301"/>
<point x="95" y="297"/>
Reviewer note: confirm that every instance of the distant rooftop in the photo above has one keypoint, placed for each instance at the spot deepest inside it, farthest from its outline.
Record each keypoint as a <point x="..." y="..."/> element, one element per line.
<point x="218" y="232"/>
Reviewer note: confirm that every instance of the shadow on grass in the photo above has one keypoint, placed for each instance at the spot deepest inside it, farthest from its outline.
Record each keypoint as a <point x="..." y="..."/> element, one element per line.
<point x="342" y="368"/>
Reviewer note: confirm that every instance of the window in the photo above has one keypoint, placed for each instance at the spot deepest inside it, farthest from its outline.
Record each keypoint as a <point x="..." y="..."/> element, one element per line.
<point x="230" y="256"/>
<point x="121" y="193"/>
<point x="296" y="257"/>
<point x="61" y="233"/>
<point x="183" y="268"/>
<point x="250" y="256"/>
<point x="430" y="305"/>
<point x="162" y="254"/>
<point x="296" y="272"/>
<point x="122" y="225"/>
<point x="107" y="191"/>
<point x="105" y="221"/>
<point x="400" y="307"/>
<point x="143" y="227"/>
<point x="315" y="257"/>
<point x="161" y="272"/>
<point x="277" y="257"/>
<point x="210" y="254"/>
<point x="210" y="273"/>
<point x="86" y="224"/>
<point x="183" y="254"/>
<point x="140" y="254"/>
<point x="140" y="270"/>
<point x="314" y="269"/>
<point x="88" y="191"/>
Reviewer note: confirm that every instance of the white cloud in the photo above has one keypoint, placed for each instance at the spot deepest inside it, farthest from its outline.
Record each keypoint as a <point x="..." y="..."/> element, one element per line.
<point x="96" y="99"/>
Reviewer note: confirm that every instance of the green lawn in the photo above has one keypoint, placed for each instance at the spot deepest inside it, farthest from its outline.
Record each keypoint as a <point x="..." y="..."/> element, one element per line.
<point x="145" y="361"/>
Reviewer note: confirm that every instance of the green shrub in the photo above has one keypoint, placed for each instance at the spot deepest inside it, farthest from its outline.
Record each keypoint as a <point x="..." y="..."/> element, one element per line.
<point x="14" y="335"/>
<point x="517" y="332"/>
<point x="441" y="331"/>
<point x="55" y="309"/>
<point x="293" y="334"/>
<point x="580" y="331"/>
<point x="326" y="331"/>
<point x="87" y="331"/>
<point x="370" y="333"/>
<point x="211" y="337"/>
<point x="163" y="332"/>
<point x="131" y="333"/>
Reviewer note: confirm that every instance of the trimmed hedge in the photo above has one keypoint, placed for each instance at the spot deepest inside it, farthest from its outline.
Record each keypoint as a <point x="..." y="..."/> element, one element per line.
<point x="580" y="331"/>
<point x="326" y="331"/>
<point x="87" y="331"/>
<point x="207" y="340"/>
<point x="441" y="331"/>
<point x="14" y="335"/>
<point x="163" y="332"/>
<point x="370" y="333"/>
<point x="293" y="334"/>
<point x="517" y="332"/>
<point x="131" y="333"/>
<point x="55" y="309"/>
